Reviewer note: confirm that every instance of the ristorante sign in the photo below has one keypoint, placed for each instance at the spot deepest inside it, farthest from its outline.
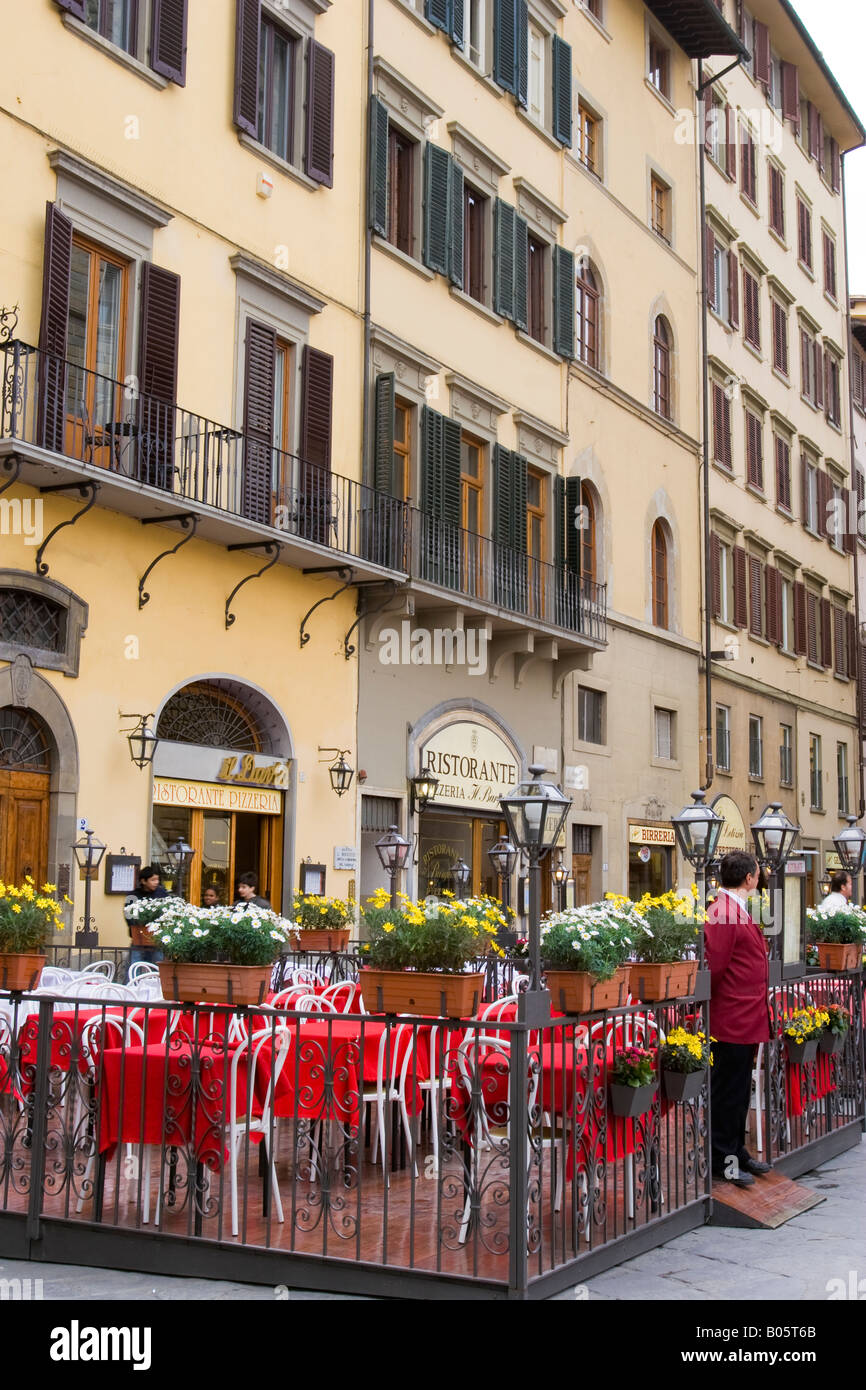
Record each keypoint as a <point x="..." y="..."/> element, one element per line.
<point x="474" y="765"/>
<point x="212" y="796"/>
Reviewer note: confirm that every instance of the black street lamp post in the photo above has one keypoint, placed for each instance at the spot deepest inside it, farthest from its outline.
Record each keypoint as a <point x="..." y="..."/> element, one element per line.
<point x="851" y="848"/>
<point x="88" y="853"/>
<point x="774" y="836"/>
<point x="535" y="813"/>
<point x="560" y="878"/>
<point x="698" y="829"/>
<point x="392" y="850"/>
<point x="461" y="873"/>
<point x="503" y="857"/>
<point x="179" y="857"/>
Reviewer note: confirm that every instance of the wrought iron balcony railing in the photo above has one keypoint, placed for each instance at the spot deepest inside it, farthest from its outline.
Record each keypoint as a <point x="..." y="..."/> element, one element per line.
<point x="54" y="404"/>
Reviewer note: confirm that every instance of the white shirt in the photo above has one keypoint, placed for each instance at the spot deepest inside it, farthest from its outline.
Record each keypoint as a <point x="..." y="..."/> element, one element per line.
<point x="834" y="902"/>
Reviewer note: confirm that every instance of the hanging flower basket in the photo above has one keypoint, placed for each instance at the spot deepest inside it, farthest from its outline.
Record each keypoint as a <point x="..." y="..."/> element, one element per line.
<point x="434" y="994"/>
<point x="837" y="955"/>
<point x="193" y="983"/>
<point x="801" y="1054"/>
<point x="328" y="939"/>
<point x="663" y="980"/>
<point x="683" y="1085"/>
<point x="578" y="992"/>
<point x="20" y="971"/>
<point x="831" y="1044"/>
<point x="630" y="1101"/>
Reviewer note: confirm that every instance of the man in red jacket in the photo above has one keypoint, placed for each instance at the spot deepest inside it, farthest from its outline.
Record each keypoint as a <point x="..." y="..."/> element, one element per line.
<point x="736" y="954"/>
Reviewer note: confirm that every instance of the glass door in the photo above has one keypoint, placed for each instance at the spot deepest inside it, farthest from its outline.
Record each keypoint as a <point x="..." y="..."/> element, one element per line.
<point x="216" y="855"/>
<point x="95" y="350"/>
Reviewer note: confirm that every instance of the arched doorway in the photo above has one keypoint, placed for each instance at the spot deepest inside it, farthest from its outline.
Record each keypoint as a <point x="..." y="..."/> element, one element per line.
<point x="25" y="790"/>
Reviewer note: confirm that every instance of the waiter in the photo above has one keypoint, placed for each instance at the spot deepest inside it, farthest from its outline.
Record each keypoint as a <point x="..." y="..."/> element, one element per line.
<point x="736" y="955"/>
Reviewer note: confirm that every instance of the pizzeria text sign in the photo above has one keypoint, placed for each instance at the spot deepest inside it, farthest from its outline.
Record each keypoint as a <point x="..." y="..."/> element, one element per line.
<point x="474" y="765"/>
<point x="212" y="796"/>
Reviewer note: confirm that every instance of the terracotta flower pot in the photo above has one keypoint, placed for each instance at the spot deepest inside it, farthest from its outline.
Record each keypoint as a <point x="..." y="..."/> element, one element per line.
<point x="326" y="939"/>
<point x="416" y="992"/>
<point x="837" y="955"/>
<point x="831" y="1044"/>
<point x="668" y="980"/>
<point x="801" y="1054"/>
<point x="578" y="992"/>
<point x="214" y="984"/>
<point x="630" y="1101"/>
<point x="683" y="1085"/>
<point x="140" y="936"/>
<point x="20" y="971"/>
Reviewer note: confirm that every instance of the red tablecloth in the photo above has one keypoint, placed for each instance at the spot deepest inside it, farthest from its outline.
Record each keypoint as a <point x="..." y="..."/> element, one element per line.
<point x="332" y="1061"/>
<point x="823" y="1081"/>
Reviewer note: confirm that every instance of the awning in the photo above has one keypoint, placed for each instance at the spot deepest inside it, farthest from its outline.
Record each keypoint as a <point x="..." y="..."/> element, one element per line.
<point x="698" y="27"/>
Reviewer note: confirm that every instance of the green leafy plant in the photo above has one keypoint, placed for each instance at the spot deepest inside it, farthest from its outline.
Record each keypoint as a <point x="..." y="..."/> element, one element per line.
<point x="29" y="916"/>
<point x="665" y="928"/>
<point x="634" y="1066"/>
<point x="839" y="1020"/>
<point x="441" y="935"/>
<point x="594" y="938"/>
<point x="846" y="928"/>
<point x="243" y="935"/>
<point x="312" y="913"/>
<point x="687" y="1052"/>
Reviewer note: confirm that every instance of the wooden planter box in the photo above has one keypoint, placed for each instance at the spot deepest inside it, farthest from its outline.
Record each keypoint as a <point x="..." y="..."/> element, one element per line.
<point x="801" y="1054"/>
<point x="328" y="939"/>
<point x="683" y="1085"/>
<point x="669" y="980"/>
<point x="834" y="955"/>
<point x="214" y="984"/>
<point x="831" y="1044"/>
<point x="140" y="936"/>
<point x="416" y="992"/>
<point x="20" y="971"/>
<point x="630" y="1101"/>
<point x="578" y="992"/>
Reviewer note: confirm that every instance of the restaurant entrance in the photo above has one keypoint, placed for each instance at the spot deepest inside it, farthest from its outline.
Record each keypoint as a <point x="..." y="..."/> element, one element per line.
<point x="443" y="839"/>
<point x="225" y="844"/>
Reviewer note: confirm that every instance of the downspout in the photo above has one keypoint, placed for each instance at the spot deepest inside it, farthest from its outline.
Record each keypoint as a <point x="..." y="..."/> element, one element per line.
<point x="858" y="689"/>
<point x="705" y="411"/>
<point x="368" y="254"/>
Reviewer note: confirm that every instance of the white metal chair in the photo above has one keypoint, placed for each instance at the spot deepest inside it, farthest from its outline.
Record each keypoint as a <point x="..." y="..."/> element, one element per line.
<point x="98" y="987"/>
<point x="305" y="975"/>
<point x="243" y="1124"/>
<point x="100" y="967"/>
<point x="341" y="996"/>
<point x="139" y="970"/>
<point x="314" y="1004"/>
<point x="54" y="977"/>
<point x="118" y="1031"/>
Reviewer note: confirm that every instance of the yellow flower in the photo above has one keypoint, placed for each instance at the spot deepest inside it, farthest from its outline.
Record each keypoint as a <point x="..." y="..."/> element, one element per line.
<point x="16" y="907"/>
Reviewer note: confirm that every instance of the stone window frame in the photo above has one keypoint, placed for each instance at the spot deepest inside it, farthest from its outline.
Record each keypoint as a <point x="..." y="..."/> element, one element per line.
<point x="415" y="114"/>
<point x="77" y="612"/>
<point x="483" y="170"/>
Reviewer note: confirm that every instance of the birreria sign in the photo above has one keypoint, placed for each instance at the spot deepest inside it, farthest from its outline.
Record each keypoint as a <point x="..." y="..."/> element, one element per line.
<point x="474" y="765"/>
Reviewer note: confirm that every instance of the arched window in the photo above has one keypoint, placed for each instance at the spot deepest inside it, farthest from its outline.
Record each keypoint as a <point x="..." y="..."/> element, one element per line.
<point x="207" y="715"/>
<point x="587" y="301"/>
<point x="588" y="548"/>
<point x="661" y="604"/>
<point x="662" y="340"/>
<point x="23" y="744"/>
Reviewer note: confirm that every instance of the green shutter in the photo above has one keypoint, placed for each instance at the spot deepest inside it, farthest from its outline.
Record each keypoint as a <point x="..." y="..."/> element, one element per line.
<point x="521" y="57"/>
<point x="563" y="302"/>
<point x="559" y="522"/>
<point x="573" y="529"/>
<point x="505" y="44"/>
<point x="521" y="272"/>
<point x="519" y="468"/>
<point x="378" y="169"/>
<point x="383" y="443"/>
<point x="502" y="510"/>
<point x="437" y="207"/>
<point x="437" y="12"/>
<point x="561" y="55"/>
<point x="432" y="466"/>
<point x="451" y="469"/>
<point x="455" y="248"/>
<point x="457" y="22"/>
<point x="504" y="217"/>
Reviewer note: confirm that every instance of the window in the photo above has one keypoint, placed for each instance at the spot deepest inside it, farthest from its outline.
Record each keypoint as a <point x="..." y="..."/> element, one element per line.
<point x="96" y="332"/>
<point x="836" y="516"/>
<point x="401" y="190"/>
<point x="726" y="583"/>
<point x="474" y="237"/>
<point x="536" y="326"/>
<point x="756" y="596"/>
<point x="660" y="208"/>
<point x="786" y="755"/>
<point x="115" y="20"/>
<point x="811" y="368"/>
<point x="284" y="357"/>
<point x="804" y="233"/>
<point x="662" y="368"/>
<point x="721" y="426"/>
<point x="754" y="450"/>
<point x="749" y="166"/>
<point x="402" y="449"/>
<point x="816" y="781"/>
<point x="783" y="472"/>
<point x="780" y="337"/>
<point x="590" y="715"/>
<point x="719" y="274"/>
<point x="810" y="494"/>
<point x="537" y="83"/>
<point x="588" y="541"/>
<point x="589" y="139"/>
<point x="858" y="378"/>
<point x="475" y="32"/>
<point x="42" y="619"/>
<point x="832" y="375"/>
<point x="277" y="62"/>
<point x="723" y="738"/>
<point x="786" y="604"/>
<point x="756" y="746"/>
<point x="842" y="778"/>
<point x="665" y="746"/>
<point x="660" y="578"/>
<point x="659" y="66"/>
<point x="829" y="265"/>
<point x="595" y="8"/>
<point x="472" y="514"/>
<point x="587" y="310"/>
<point x="751" y="308"/>
<point x="777" y="200"/>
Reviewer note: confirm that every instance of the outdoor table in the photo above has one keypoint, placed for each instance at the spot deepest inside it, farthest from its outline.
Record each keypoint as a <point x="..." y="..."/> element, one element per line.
<point x="824" y="1083"/>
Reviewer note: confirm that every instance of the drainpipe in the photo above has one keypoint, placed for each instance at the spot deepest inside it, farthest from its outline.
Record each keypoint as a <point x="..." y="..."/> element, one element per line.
<point x="368" y="253"/>
<point x="858" y="690"/>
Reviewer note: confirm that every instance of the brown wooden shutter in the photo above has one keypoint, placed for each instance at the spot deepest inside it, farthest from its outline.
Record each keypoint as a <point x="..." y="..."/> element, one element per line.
<point x="730" y="142"/>
<point x="800" y="635"/>
<point x="259" y="374"/>
<point x="826" y="633"/>
<point x="711" y="269"/>
<point x="783" y="473"/>
<point x="818" y="360"/>
<point x="319" y="155"/>
<point x="56" y="270"/>
<point x="733" y="290"/>
<point x="820" y="134"/>
<point x="852" y="646"/>
<point x="812" y="613"/>
<point x="824" y="495"/>
<point x="754" y="450"/>
<point x="168" y="40"/>
<point x="741" y="618"/>
<point x="771" y="602"/>
<point x="835" y="167"/>
<point x="715" y="577"/>
<point x="840" y="642"/>
<point x="791" y="93"/>
<point x="860" y="668"/>
<point x="157" y="371"/>
<point x="317" y="391"/>
<point x="812" y="122"/>
<point x="762" y="53"/>
<point x="756" y="615"/>
<point x="247" y="32"/>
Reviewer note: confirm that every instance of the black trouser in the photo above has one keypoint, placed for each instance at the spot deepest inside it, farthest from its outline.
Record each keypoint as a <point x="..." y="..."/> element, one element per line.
<point x="730" y="1097"/>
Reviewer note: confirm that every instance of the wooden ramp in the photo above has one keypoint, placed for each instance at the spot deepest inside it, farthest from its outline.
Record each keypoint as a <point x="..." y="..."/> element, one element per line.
<point x="768" y="1203"/>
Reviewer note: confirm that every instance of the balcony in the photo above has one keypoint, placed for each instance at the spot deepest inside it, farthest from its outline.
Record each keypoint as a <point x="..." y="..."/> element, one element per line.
<point x="153" y="460"/>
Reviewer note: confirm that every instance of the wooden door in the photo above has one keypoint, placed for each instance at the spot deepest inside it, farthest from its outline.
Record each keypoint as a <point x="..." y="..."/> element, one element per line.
<point x="581" y="872"/>
<point x="24" y="826"/>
